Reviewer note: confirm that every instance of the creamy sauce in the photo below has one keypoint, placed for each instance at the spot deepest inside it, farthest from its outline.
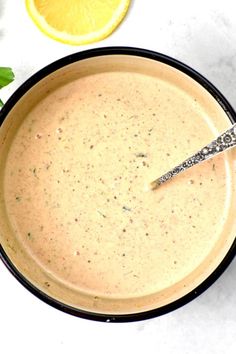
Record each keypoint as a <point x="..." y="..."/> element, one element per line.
<point x="75" y="181"/>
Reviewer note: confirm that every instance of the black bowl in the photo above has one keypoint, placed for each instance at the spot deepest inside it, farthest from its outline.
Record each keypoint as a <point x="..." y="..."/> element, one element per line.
<point x="53" y="73"/>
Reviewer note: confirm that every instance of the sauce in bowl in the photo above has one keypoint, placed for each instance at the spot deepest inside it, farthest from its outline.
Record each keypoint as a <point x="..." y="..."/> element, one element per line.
<point x="74" y="179"/>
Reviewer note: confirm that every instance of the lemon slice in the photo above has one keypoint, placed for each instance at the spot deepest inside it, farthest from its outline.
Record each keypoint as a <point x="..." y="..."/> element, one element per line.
<point x="77" y="21"/>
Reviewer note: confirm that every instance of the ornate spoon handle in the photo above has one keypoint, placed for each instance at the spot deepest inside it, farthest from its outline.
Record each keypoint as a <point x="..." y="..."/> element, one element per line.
<point x="224" y="141"/>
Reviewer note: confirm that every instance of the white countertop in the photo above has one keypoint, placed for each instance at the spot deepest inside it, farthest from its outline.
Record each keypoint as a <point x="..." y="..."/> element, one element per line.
<point x="203" y="35"/>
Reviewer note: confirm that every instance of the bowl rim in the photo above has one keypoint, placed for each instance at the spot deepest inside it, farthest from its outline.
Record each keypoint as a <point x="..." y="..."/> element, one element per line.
<point x="156" y="56"/>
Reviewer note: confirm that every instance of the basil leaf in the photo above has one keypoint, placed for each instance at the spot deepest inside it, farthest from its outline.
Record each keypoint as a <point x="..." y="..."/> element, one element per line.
<point x="1" y="103"/>
<point x="6" y="76"/>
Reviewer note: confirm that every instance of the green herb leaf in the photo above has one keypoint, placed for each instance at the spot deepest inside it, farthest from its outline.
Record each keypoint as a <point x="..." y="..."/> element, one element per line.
<point x="6" y="76"/>
<point x="1" y="103"/>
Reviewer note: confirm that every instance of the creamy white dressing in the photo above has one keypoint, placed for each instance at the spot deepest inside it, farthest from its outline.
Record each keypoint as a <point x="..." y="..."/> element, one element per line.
<point x="75" y="177"/>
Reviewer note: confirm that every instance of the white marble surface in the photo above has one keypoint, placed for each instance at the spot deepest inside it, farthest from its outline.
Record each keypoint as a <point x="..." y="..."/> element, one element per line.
<point x="203" y="35"/>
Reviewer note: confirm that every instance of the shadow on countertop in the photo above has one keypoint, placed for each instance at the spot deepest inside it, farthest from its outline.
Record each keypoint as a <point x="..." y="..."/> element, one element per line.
<point x="214" y="55"/>
<point x="2" y="6"/>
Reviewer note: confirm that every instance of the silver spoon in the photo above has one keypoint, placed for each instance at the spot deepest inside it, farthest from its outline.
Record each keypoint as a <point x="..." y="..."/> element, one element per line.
<point x="223" y="142"/>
